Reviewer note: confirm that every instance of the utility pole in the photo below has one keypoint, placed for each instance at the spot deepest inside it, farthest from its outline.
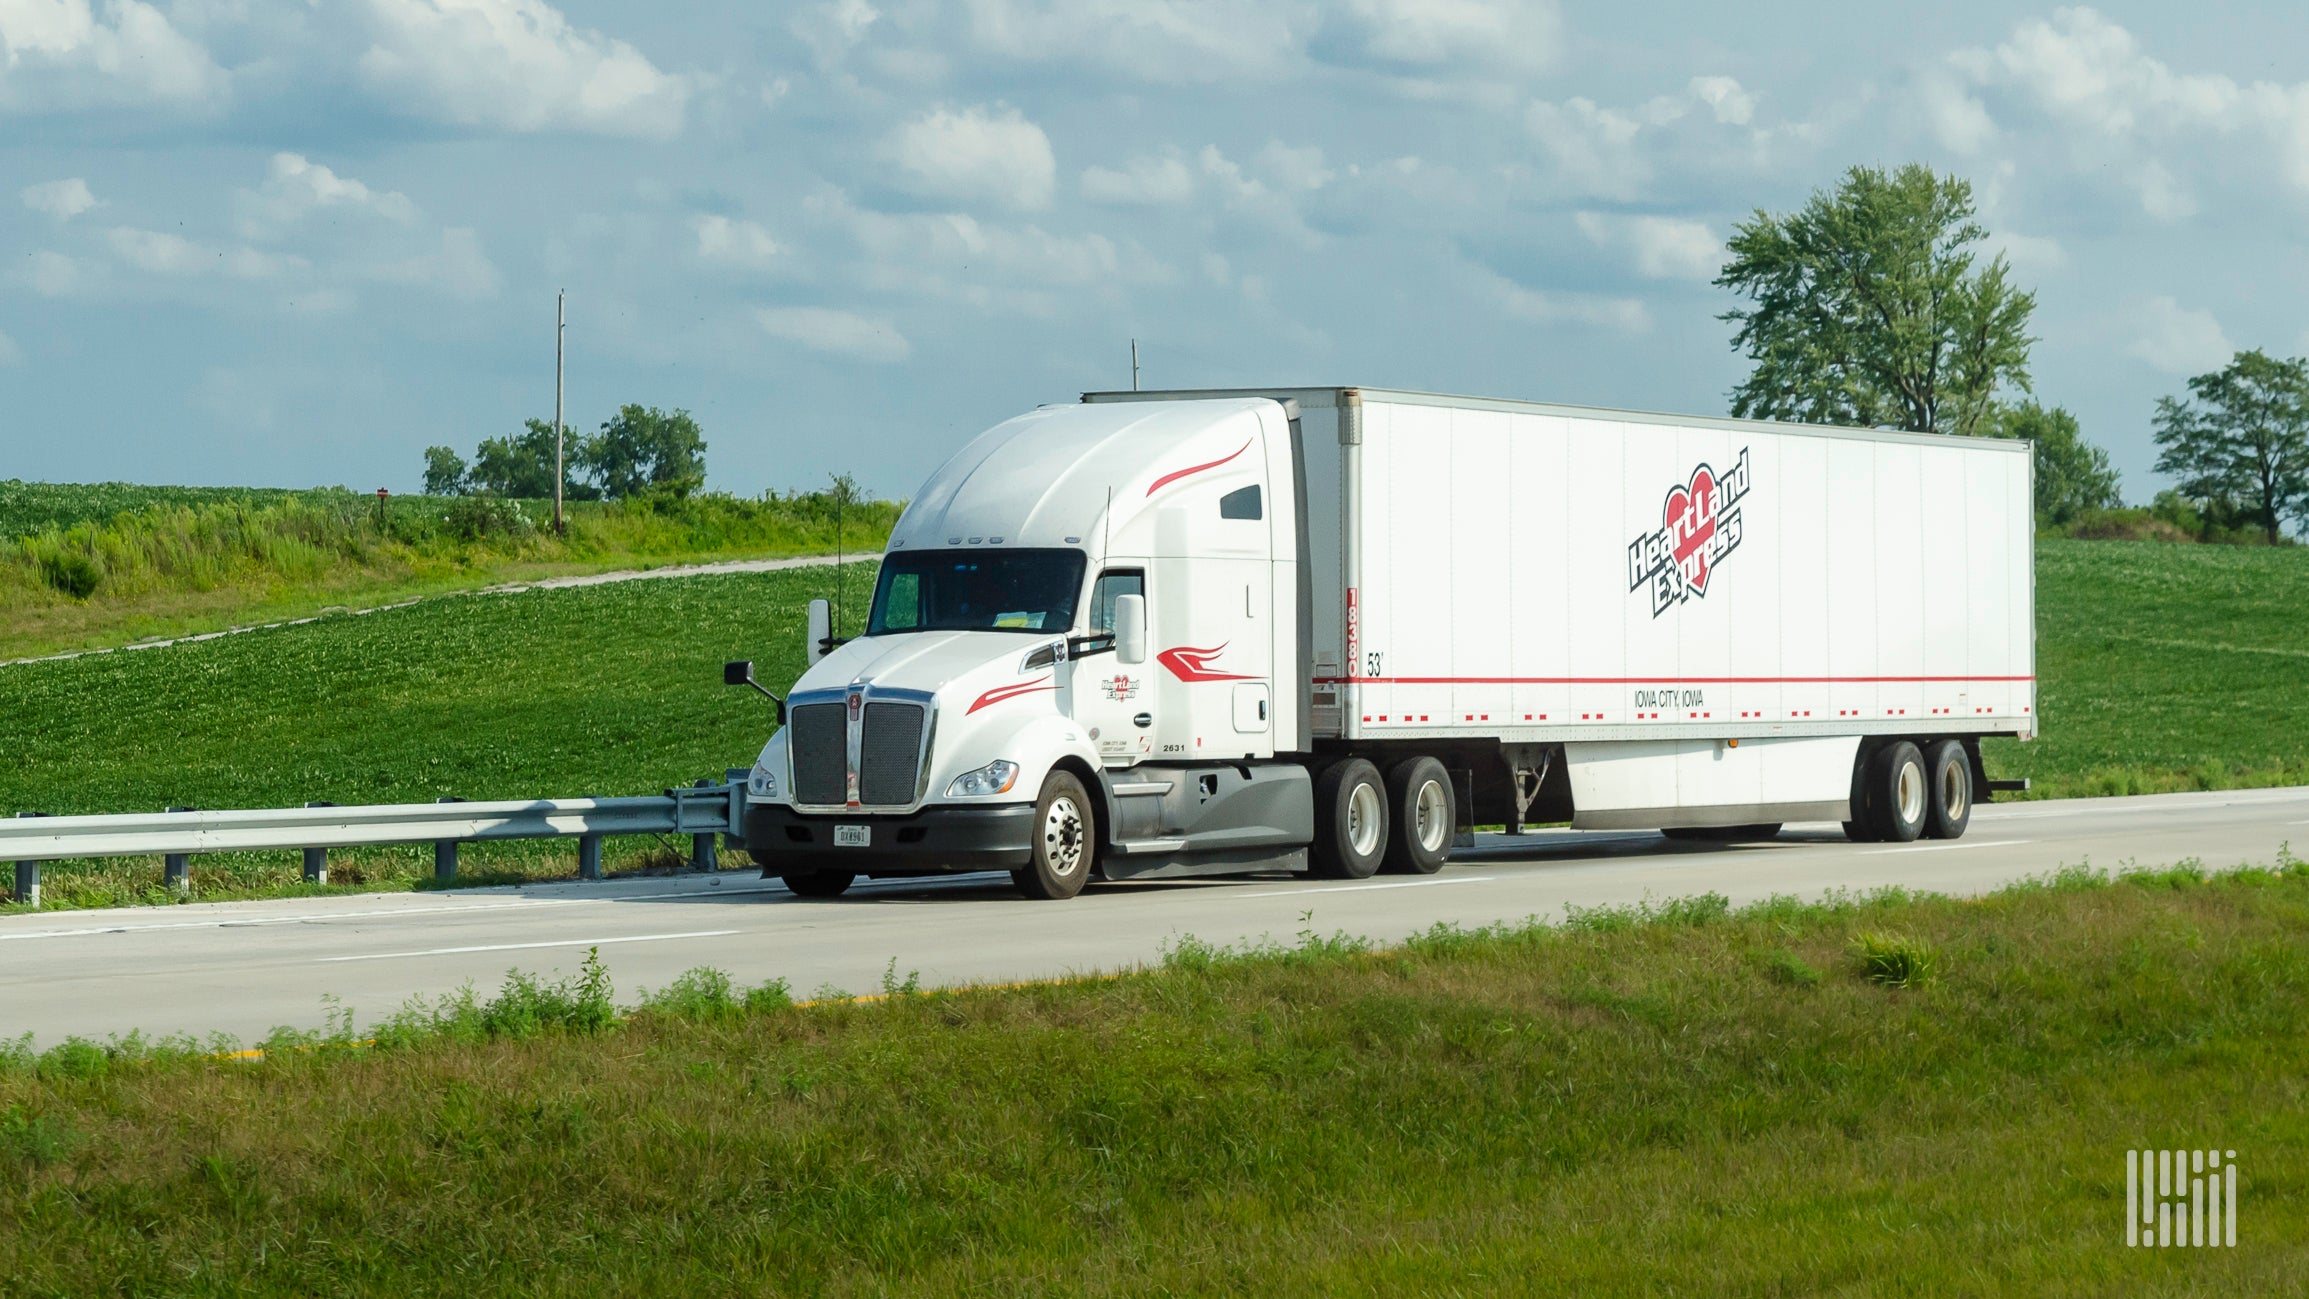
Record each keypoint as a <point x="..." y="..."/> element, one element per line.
<point x="559" y="472"/>
<point x="1134" y="365"/>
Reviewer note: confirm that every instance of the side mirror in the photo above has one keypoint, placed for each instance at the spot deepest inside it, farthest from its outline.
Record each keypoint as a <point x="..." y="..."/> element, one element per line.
<point x="742" y="674"/>
<point x="1130" y="628"/>
<point x="821" y="630"/>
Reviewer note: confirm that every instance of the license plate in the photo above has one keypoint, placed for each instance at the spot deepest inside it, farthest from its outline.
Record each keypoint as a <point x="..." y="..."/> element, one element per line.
<point x="852" y="836"/>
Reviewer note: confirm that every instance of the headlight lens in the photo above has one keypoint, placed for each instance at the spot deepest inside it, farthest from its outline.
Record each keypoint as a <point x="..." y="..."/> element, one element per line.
<point x="994" y="778"/>
<point x="764" y="783"/>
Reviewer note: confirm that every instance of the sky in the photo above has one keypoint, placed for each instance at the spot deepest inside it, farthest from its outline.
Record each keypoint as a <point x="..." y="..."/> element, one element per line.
<point x="295" y="242"/>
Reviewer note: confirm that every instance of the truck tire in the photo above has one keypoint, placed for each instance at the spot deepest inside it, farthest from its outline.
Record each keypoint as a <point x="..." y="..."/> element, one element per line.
<point x="1862" y="827"/>
<point x="818" y="884"/>
<point x="1422" y="814"/>
<point x="1899" y="793"/>
<point x="1950" y="770"/>
<point x="1756" y="833"/>
<point x="1064" y="830"/>
<point x="1350" y="821"/>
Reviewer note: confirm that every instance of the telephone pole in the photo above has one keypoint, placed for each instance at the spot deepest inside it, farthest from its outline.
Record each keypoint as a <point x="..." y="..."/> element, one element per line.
<point x="1134" y="365"/>
<point x="559" y="472"/>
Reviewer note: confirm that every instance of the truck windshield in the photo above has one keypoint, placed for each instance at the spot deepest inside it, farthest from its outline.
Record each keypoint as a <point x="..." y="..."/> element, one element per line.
<point x="977" y="590"/>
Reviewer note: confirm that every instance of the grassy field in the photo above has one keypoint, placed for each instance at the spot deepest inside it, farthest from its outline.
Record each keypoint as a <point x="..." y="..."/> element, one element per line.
<point x="1695" y="1102"/>
<point x="84" y="567"/>
<point x="2164" y="667"/>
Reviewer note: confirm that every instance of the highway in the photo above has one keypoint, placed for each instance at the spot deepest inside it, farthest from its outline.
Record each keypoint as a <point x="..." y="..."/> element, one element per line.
<point x="242" y="968"/>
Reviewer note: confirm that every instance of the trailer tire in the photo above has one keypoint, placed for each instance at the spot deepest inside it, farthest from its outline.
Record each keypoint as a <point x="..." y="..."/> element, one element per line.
<point x="1062" y="840"/>
<point x="1899" y="793"/>
<point x="817" y="884"/>
<point x="1862" y="827"/>
<point x="1422" y="815"/>
<point x="1950" y="770"/>
<point x="1756" y="833"/>
<point x="1350" y="821"/>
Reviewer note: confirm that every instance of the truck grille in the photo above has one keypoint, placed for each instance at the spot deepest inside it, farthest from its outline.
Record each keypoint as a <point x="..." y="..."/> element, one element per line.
<point x="889" y="753"/>
<point x="821" y="755"/>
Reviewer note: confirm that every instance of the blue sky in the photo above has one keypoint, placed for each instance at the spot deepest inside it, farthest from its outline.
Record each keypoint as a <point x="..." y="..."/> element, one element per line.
<point x="283" y="243"/>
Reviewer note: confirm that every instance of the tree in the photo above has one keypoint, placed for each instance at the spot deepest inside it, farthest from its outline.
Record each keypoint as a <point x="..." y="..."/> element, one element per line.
<point x="1869" y="311"/>
<point x="2244" y="442"/>
<point x="444" y="472"/>
<point x="2072" y="475"/>
<point x="645" y="451"/>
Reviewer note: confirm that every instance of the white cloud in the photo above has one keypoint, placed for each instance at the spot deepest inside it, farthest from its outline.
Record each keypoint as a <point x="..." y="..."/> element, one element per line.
<point x="1142" y="182"/>
<point x="58" y="55"/>
<point x="1435" y="33"/>
<point x="1624" y="314"/>
<point x="989" y="154"/>
<point x="2178" y="340"/>
<point x="52" y="274"/>
<point x="1144" y="40"/>
<point x="738" y="243"/>
<point x="62" y="199"/>
<point x="10" y="354"/>
<point x="1594" y="147"/>
<point x="516" y="65"/>
<point x="1732" y="105"/>
<point x="1956" y="119"/>
<point x="842" y="333"/>
<point x="295" y="186"/>
<point x="456" y="266"/>
<point x="162" y="253"/>
<point x="1662" y="248"/>
<point x="1299" y="168"/>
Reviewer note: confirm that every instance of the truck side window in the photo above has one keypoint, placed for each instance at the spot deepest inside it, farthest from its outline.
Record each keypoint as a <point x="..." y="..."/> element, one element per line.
<point x="903" y="611"/>
<point x="1242" y="503"/>
<point x="1114" y="582"/>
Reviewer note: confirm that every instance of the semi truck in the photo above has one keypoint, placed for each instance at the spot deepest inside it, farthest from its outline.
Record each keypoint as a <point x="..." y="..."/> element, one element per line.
<point x="1330" y="630"/>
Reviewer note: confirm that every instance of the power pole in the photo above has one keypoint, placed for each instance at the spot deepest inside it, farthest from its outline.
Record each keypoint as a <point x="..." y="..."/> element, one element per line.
<point x="559" y="472"/>
<point x="1134" y="365"/>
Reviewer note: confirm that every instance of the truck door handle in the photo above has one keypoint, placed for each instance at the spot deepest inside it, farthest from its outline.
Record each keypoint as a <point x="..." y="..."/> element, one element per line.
<point x="1143" y="720"/>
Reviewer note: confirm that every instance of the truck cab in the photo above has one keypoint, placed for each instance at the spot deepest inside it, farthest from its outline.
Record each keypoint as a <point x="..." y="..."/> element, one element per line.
<point x="1070" y="665"/>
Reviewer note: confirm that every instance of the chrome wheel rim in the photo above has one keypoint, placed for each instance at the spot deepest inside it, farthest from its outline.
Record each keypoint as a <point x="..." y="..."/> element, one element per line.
<point x="1431" y="812"/>
<point x="1364" y="813"/>
<point x="1955" y="790"/>
<point x="1062" y="836"/>
<point x="1910" y="794"/>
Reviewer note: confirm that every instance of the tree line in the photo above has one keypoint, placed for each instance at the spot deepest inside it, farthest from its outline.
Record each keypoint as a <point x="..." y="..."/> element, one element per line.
<point x="1870" y="306"/>
<point x="641" y="452"/>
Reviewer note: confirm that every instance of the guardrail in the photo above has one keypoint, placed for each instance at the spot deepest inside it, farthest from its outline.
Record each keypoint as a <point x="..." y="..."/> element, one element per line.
<point x="705" y="812"/>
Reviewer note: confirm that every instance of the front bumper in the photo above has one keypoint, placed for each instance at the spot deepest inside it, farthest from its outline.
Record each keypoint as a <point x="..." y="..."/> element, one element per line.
<point x="975" y="838"/>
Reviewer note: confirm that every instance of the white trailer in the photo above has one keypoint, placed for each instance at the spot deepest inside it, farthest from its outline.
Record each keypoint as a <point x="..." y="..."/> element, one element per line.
<point x="1330" y="628"/>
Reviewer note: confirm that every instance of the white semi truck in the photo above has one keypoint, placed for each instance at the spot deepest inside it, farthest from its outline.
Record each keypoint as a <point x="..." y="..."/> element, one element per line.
<point x="1328" y="629"/>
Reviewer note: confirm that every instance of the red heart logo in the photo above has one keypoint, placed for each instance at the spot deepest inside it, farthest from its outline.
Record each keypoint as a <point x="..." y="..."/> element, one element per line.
<point x="1690" y="519"/>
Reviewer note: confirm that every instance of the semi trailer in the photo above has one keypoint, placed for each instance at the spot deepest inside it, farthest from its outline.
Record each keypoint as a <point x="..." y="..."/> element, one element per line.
<point x="1331" y="629"/>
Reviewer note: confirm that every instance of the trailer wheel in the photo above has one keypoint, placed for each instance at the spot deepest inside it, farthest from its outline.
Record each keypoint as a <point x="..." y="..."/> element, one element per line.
<point x="1423" y="816"/>
<point x="1350" y="821"/>
<point x="1058" y="858"/>
<point x="1899" y="793"/>
<point x="1950" y="769"/>
<point x="1862" y="827"/>
<point x="818" y="884"/>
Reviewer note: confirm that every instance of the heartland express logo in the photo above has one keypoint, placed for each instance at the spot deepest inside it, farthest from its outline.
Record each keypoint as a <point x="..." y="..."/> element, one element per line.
<point x="1699" y="526"/>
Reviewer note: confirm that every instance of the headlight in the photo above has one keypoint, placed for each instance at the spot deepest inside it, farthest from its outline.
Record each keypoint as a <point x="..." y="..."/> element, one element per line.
<point x="764" y="783"/>
<point x="994" y="778"/>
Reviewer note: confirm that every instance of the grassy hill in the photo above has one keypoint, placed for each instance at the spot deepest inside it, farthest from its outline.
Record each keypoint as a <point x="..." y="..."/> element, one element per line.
<point x="85" y="566"/>
<point x="2164" y="667"/>
<point x="1694" y="1103"/>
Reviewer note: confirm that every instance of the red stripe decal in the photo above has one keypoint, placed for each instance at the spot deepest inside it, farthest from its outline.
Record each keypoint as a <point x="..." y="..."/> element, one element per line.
<point x="1195" y="665"/>
<point x="1169" y="478"/>
<point x="1000" y="693"/>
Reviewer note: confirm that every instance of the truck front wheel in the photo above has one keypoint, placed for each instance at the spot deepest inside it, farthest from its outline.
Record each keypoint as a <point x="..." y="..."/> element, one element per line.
<point x="1424" y="816"/>
<point x="1350" y="820"/>
<point x="1058" y="863"/>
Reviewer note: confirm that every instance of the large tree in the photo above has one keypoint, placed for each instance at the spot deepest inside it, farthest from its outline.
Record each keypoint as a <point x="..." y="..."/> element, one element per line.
<point x="646" y="451"/>
<point x="2072" y="475"/>
<point x="1870" y="310"/>
<point x="2244" y="441"/>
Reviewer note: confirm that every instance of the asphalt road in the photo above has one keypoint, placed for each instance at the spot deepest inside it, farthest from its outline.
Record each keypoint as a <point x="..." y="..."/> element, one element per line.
<point x="243" y="967"/>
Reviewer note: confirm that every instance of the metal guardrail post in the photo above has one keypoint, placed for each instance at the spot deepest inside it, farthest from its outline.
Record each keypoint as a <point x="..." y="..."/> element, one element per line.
<point x="28" y="878"/>
<point x="702" y="856"/>
<point x="445" y="853"/>
<point x="176" y="867"/>
<point x="589" y="856"/>
<point x="317" y="859"/>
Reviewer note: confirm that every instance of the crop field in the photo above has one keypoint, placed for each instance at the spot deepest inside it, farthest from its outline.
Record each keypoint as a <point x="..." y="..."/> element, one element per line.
<point x="2164" y="667"/>
<point x="1889" y="1094"/>
<point x="175" y="561"/>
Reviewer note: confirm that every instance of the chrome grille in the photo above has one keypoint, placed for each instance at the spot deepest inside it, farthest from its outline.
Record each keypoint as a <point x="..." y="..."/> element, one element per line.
<point x="821" y="754"/>
<point x="889" y="753"/>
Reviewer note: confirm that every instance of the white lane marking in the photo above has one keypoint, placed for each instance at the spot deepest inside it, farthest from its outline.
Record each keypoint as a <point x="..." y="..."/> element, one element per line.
<point x="389" y="913"/>
<point x="1358" y="888"/>
<point x="1944" y="847"/>
<point x="523" y="947"/>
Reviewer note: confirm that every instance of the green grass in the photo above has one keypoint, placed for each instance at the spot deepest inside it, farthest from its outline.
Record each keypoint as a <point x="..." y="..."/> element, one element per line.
<point x="1626" y="1105"/>
<point x="2166" y="667"/>
<point x="182" y="560"/>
